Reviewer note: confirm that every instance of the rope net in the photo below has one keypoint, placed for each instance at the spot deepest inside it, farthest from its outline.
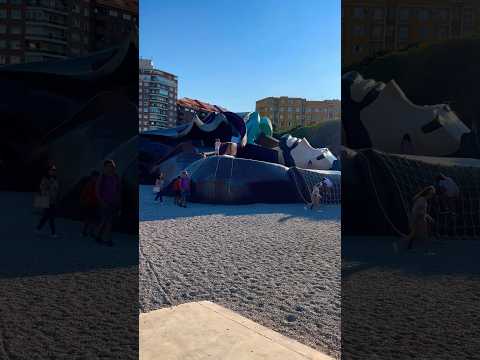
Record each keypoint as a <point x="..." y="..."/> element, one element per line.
<point x="305" y="180"/>
<point x="410" y="175"/>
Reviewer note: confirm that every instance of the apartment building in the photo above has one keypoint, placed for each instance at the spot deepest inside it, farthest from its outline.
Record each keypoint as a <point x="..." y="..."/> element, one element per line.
<point x="373" y="26"/>
<point x="157" y="97"/>
<point x="44" y="30"/>
<point x="286" y="112"/>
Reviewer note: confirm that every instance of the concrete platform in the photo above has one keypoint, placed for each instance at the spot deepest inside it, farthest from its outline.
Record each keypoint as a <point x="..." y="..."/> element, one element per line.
<point x="204" y="330"/>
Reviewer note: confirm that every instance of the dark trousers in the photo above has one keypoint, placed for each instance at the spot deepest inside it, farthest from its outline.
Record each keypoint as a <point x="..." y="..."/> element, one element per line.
<point x="48" y="215"/>
<point x="159" y="196"/>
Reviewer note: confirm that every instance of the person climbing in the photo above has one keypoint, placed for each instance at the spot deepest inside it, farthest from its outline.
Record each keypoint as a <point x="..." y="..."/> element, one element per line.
<point x="89" y="204"/>
<point x="327" y="188"/>
<point x="315" y="196"/>
<point x="158" y="188"/>
<point x="419" y="219"/>
<point x="184" y="188"/>
<point x="218" y="143"/>
<point x="448" y="192"/>
<point x="108" y="192"/>
<point x="176" y="190"/>
<point x="49" y="188"/>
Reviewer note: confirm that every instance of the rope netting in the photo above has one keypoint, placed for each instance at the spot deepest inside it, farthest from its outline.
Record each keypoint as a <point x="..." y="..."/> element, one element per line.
<point x="410" y="175"/>
<point x="305" y="180"/>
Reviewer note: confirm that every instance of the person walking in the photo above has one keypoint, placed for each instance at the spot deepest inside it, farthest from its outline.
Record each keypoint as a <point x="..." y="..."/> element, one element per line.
<point x="49" y="188"/>
<point x="419" y="219"/>
<point x="89" y="204"/>
<point x="108" y="192"/>
<point x="159" y="183"/>
<point x="184" y="188"/>
<point x="176" y="190"/>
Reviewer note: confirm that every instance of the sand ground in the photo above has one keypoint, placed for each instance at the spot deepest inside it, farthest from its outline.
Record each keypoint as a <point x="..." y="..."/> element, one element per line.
<point x="66" y="298"/>
<point x="278" y="265"/>
<point x="410" y="305"/>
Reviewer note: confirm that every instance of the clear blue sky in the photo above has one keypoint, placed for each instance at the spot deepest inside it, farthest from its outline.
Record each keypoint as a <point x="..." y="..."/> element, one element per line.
<point x="232" y="53"/>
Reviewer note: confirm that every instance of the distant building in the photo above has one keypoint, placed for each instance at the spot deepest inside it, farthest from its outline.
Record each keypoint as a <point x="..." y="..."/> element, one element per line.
<point x="187" y="108"/>
<point x="43" y="30"/>
<point x="286" y="113"/>
<point x="157" y="97"/>
<point x="372" y="26"/>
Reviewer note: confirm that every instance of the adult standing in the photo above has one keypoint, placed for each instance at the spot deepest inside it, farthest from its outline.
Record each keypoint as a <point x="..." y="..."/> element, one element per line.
<point x="49" y="188"/>
<point x="420" y="219"/>
<point x="109" y="196"/>
<point x="184" y="188"/>
<point x="448" y="192"/>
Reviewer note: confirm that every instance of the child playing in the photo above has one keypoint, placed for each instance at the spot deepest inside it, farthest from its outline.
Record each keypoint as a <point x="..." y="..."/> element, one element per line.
<point x="218" y="143"/>
<point x="176" y="190"/>
<point x="159" y="187"/>
<point x="315" y="196"/>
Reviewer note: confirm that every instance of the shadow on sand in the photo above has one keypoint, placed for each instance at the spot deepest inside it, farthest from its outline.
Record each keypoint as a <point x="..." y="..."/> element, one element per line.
<point x="23" y="253"/>
<point x="449" y="257"/>
<point x="152" y="211"/>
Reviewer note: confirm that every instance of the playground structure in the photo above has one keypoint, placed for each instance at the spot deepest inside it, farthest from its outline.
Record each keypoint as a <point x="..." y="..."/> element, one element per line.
<point x="80" y="111"/>
<point x="252" y="166"/>
<point x="395" y="148"/>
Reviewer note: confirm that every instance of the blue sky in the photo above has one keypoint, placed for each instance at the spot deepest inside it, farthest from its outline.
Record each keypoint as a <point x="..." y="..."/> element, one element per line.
<point x="232" y="53"/>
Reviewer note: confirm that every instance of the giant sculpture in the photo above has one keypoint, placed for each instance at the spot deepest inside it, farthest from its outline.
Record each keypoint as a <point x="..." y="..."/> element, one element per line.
<point x="74" y="113"/>
<point x="263" y="169"/>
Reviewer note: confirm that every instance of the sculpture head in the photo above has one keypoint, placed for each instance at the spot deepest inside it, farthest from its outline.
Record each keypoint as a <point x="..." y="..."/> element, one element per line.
<point x="306" y="156"/>
<point x="394" y="124"/>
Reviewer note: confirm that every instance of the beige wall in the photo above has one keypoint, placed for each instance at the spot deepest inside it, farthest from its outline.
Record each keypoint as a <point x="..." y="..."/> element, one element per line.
<point x="286" y="113"/>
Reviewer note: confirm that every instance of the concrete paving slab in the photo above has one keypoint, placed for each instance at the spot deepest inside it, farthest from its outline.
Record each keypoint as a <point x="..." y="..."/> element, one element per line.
<point x="204" y="330"/>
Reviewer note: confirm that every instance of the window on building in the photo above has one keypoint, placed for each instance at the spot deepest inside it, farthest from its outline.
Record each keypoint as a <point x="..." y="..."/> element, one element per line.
<point x="423" y="14"/>
<point x="443" y="15"/>
<point x="3" y="59"/>
<point x="15" y="45"/>
<point x="358" y="13"/>
<point x="3" y="14"/>
<point x="16" y="14"/>
<point x="404" y="14"/>
<point x="378" y="14"/>
<point x="359" y="30"/>
<point x="467" y="16"/>
<point x="3" y="44"/>
<point x="86" y="12"/>
<point x="377" y="32"/>
<point x="16" y="30"/>
<point x="15" y="59"/>
<point x="403" y="33"/>
<point x="127" y="17"/>
<point x="113" y="13"/>
<point x="424" y="33"/>
<point x="357" y="49"/>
